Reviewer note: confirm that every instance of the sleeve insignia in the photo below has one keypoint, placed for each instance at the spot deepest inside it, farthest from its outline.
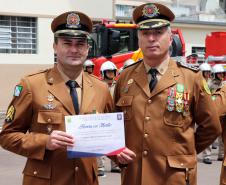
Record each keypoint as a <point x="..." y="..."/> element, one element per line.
<point x="18" y="89"/>
<point x="10" y="114"/>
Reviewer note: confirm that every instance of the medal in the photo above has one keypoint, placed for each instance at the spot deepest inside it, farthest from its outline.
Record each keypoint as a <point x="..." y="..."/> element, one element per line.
<point x="49" y="106"/>
<point x="171" y="99"/>
<point x="179" y="101"/>
<point x="50" y="97"/>
<point x="180" y="88"/>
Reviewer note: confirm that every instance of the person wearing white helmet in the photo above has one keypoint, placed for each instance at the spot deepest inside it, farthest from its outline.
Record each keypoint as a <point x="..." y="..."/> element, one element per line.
<point x="206" y="70"/>
<point x="218" y="74"/>
<point x="88" y="66"/>
<point x="108" y="72"/>
<point x="215" y="85"/>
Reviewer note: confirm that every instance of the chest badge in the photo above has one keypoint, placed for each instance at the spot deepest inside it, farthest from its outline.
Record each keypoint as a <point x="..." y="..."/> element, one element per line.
<point x="50" y="105"/>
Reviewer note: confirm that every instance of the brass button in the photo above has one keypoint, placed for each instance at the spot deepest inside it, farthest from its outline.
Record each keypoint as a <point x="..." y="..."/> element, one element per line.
<point x="145" y="135"/>
<point x="49" y="128"/>
<point x="149" y="101"/>
<point x="123" y="102"/>
<point x="182" y="164"/>
<point x="76" y="168"/>
<point x="49" y="120"/>
<point x="147" y="118"/>
<point x="145" y="152"/>
<point x="35" y="172"/>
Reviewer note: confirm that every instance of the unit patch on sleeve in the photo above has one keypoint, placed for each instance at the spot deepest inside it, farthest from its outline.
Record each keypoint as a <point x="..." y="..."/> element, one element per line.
<point x="18" y="89"/>
<point x="10" y="114"/>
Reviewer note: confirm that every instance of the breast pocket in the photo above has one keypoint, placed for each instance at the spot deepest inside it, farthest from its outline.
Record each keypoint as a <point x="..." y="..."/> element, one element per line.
<point x="124" y="104"/>
<point x="49" y="120"/>
<point x="176" y="119"/>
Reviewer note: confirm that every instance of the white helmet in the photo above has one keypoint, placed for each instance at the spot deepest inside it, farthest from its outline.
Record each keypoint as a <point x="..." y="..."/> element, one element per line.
<point x="218" y="68"/>
<point x="108" y="65"/>
<point x="128" y="62"/>
<point x="88" y="63"/>
<point x="205" y="67"/>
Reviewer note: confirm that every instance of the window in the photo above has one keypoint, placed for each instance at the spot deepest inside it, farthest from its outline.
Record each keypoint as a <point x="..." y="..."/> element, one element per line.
<point x="18" y="35"/>
<point x="124" y="11"/>
<point x="200" y="52"/>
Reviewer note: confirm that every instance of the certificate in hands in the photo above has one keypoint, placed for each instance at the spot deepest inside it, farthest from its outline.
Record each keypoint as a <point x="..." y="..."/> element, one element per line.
<point x="96" y="134"/>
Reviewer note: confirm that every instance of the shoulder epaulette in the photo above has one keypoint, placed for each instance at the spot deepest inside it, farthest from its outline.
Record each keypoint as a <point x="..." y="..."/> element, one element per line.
<point x="189" y="66"/>
<point x="135" y="63"/>
<point x="37" y="72"/>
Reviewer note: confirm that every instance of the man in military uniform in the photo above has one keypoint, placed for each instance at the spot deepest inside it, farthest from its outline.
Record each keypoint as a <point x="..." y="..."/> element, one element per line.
<point x="220" y="102"/>
<point x="34" y="126"/>
<point x="205" y="68"/>
<point x="215" y="84"/>
<point x="162" y="100"/>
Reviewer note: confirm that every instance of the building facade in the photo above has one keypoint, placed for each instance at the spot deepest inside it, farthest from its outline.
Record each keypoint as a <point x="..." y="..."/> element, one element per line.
<point x="26" y="38"/>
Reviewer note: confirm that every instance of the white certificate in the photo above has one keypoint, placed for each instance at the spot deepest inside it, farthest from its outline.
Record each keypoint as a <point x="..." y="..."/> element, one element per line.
<point x="96" y="134"/>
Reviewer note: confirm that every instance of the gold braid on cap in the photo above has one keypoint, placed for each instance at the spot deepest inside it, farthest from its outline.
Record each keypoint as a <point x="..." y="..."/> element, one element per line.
<point x="73" y="32"/>
<point x="160" y="22"/>
<point x="153" y="20"/>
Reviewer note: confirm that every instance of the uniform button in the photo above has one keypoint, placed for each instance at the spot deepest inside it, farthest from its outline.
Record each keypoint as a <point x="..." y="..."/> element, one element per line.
<point x="123" y="102"/>
<point x="182" y="164"/>
<point x="49" y="128"/>
<point x="76" y="168"/>
<point x="49" y="120"/>
<point x="145" y="135"/>
<point x="145" y="152"/>
<point x="35" y="172"/>
<point x="147" y="118"/>
<point x="149" y="101"/>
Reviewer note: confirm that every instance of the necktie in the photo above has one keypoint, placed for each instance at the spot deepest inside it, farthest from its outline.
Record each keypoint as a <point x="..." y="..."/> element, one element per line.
<point x="74" y="96"/>
<point x="154" y="80"/>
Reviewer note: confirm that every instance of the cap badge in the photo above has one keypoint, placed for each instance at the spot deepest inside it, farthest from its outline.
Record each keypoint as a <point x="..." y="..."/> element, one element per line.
<point x="150" y="10"/>
<point x="73" y="20"/>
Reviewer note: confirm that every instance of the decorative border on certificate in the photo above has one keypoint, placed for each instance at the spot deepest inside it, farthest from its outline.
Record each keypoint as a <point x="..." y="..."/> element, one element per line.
<point x="96" y="134"/>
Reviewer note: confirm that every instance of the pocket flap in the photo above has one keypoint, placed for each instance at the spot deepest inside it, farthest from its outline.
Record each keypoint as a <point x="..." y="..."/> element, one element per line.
<point x="125" y="101"/>
<point x="37" y="168"/>
<point x="50" y="117"/>
<point x="182" y="161"/>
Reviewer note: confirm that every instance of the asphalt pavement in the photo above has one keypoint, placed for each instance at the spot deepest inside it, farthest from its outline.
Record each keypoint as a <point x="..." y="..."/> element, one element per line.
<point x="11" y="166"/>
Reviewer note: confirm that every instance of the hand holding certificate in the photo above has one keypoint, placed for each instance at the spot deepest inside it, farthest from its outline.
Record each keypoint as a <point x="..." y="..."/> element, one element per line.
<point x="96" y="134"/>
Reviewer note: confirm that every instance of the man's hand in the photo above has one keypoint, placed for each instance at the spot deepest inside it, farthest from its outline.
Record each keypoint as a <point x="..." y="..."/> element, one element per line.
<point x="126" y="156"/>
<point x="59" y="139"/>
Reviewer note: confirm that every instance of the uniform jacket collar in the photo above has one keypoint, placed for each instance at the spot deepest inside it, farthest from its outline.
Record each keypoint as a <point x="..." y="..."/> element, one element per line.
<point x="58" y="88"/>
<point x="167" y="80"/>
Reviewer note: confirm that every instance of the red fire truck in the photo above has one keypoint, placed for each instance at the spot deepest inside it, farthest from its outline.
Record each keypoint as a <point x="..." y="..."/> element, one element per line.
<point x="117" y="42"/>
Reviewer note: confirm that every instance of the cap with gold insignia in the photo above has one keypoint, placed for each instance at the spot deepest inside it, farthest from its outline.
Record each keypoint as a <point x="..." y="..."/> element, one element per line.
<point x="152" y="16"/>
<point x="72" y="24"/>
